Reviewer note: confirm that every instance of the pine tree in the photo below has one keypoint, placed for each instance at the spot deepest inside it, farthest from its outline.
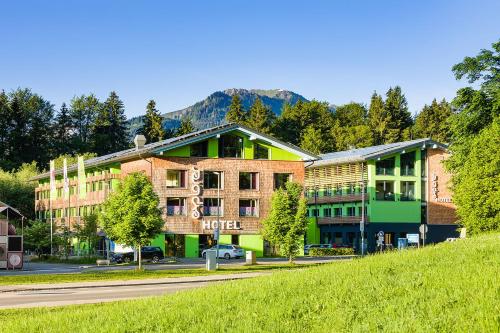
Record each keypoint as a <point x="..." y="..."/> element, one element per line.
<point x="399" y="118"/>
<point x="351" y="114"/>
<point x="261" y="117"/>
<point x="83" y="111"/>
<point x="153" y="128"/>
<point x="185" y="127"/>
<point x="377" y="119"/>
<point x="110" y="129"/>
<point x="313" y="141"/>
<point x="63" y="132"/>
<point x="431" y="121"/>
<point x="236" y="113"/>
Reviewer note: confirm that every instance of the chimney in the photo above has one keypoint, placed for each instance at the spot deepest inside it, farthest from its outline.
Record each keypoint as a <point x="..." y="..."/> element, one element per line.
<point x="139" y="141"/>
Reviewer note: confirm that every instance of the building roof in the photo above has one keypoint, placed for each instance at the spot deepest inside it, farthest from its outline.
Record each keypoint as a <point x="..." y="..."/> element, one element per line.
<point x="172" y="143"/>
<point x="6" y="208"/>
<point x="368" y="153"/>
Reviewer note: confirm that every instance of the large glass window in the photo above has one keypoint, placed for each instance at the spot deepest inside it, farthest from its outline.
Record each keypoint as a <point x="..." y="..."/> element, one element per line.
<point x="408" y="164"/>
<point x="351" y="211"/>
<point x="280" y="179"/>
<point x="315" y="212"/>
<point x="385" y="167"/>
<point x="249" y="207"/>
<point x="230" y="146"/>
<point x="407" y="191"/>
<point x="176" y="206"/>
<point x="210" y="207"/>
<point x="327" y="212"/>
<point x="249" y="180"/>
<point x="385" y="190"/>
<point x="260" y="152"/>
<point x="176" y="178"/>
<point x="211" y="179"/>
<point x="199" y="149"/>
<point x="337" y="212"/>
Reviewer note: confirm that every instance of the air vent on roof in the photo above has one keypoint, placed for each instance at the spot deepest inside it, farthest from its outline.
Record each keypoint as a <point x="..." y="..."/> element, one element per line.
<point x="139" y="141"/>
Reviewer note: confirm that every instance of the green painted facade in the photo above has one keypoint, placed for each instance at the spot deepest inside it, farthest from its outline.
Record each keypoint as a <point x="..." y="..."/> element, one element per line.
<point x="191" y="244"/>
<point x="312" y="233"/>
<point x="225" y="239"/>
<point x="159" y="241"/>
<point x="253" y="243"/>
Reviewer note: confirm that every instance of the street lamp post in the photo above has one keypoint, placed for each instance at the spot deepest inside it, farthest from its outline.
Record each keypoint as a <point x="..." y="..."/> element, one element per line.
<point x="217" y="229"/>
<point x="362" y="222"/>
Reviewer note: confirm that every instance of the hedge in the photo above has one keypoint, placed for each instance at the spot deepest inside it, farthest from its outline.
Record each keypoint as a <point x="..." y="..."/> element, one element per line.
<point x="338" y="251"/>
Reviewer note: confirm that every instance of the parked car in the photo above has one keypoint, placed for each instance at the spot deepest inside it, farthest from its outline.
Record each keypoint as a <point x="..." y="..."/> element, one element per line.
<point x="226" y="251"/>
<point x="153" y="253"/>
<point x="317" y="246"/>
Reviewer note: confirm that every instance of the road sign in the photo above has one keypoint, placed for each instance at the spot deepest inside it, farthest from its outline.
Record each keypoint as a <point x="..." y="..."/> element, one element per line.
<point x="423" y="228"/>
<point x="380" y="233"/>
<point x="216" y="234"/>
<point x="412" y="238"/>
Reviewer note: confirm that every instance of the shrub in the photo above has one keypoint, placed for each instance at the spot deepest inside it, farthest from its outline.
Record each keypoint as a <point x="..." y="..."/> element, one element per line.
<point x="338" y="251"/>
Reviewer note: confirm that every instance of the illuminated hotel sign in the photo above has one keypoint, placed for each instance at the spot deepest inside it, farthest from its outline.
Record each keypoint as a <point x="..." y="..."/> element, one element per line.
<point x="196" y="188"/>
<point x="224" y="224"/>
<point x="435" y="190"/>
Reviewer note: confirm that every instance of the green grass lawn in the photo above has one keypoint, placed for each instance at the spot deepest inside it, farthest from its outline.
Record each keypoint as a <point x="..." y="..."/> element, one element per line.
<point x="451" y="287"/>
<point x="95" y="275"/>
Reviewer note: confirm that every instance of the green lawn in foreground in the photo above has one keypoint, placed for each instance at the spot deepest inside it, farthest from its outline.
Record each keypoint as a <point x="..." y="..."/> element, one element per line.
<point x="452" y="287"/>
<point x="96" y="275"/>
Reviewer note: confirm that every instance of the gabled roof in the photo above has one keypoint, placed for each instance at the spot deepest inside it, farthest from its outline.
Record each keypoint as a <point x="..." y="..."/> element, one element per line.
<point x="368" y="153"/>
<point x="6" y="208"/>
<point x="172" y="143"/>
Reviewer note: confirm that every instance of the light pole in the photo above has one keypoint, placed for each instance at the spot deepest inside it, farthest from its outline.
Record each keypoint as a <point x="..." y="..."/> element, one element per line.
<point x="362" y="222"/>
<point x="217" y="229"/>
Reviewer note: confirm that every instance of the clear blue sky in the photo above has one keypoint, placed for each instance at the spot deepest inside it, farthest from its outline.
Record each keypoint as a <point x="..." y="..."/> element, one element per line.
<point x="180" y="52"/>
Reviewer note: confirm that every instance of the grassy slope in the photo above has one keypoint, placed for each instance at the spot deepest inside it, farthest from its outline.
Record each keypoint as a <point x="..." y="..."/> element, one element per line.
<point x="452" y="287"/>
<point x="135" y="275"/>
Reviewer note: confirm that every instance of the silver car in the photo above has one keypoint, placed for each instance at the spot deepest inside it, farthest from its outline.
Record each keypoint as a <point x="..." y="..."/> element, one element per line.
<point x="227" y="251"/>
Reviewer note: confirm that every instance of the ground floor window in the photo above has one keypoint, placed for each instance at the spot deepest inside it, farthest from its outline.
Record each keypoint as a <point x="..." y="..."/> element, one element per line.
<point x="174" y="245"/>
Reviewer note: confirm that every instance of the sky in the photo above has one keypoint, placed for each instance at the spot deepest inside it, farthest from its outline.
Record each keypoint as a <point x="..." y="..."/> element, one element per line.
<point x="179" y="52"/>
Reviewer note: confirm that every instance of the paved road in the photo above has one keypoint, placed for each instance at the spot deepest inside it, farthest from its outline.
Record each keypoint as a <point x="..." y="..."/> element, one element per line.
<point x="26" y="296"/>
<point x="184" y="263"/>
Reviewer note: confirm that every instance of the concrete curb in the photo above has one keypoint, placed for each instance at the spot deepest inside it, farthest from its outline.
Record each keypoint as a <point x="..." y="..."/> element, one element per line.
<point x="123" y="283"/>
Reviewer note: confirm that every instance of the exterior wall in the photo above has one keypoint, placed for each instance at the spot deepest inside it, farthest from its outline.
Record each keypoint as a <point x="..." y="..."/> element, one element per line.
<point x="440" y="208"/>
<point x="230" y="193"/>
<point x="192" y="246"/>
<point x="253" y="243"/>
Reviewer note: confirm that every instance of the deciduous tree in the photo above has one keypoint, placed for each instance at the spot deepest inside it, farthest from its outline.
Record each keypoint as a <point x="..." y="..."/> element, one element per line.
<point x="130" y="216"/>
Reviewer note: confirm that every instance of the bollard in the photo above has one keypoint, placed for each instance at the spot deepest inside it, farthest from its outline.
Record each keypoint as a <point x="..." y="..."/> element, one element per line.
<point x="251" y="259"/>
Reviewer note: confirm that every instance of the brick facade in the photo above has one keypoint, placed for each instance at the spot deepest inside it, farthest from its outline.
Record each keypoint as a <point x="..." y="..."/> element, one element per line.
<point x="230" y="193"/>
<point x="440" y="208"/>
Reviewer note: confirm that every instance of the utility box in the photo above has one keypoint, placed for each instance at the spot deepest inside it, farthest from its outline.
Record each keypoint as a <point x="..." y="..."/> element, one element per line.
<point x="251" y="258"/>
<point x="211" y="260"/>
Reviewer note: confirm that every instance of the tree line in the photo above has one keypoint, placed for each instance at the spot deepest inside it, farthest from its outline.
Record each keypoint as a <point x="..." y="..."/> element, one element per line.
<point x="315" y="127"/>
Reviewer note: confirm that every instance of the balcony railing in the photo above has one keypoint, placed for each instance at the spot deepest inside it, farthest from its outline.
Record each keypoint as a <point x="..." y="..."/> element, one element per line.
<point x="341" y="220"/>
<point x="211" y="211"/>
<point x="176" y="210"/>
<point x="249" y="211"/>
<point x="336" y="198"/>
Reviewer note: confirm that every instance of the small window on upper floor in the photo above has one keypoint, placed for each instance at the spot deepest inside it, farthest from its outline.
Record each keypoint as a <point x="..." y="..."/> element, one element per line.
<point x="199" y="149"/>
<point x="249" y="180"/>
<point x="230" y="146"/>
<point x="408" y="164"/>
<point x="280" y="179"/>
<point x="176" y="178"/>
<point x="260" y="152"/>
<point x="211" y="179"/>
<point x="386" y="167"/>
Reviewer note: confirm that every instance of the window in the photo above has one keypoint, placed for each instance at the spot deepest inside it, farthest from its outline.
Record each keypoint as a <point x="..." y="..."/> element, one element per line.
<point x="407" y="191"/>
<point x="249" y="180"/>
<point x="199" y="149"/>
<point x="210" y="207"/>
<point x="384" y="190"/>
<point x="235" y="239"/>
<point x="423" y="190"/>
<point x="423" y="163"/>
<point x="360" y="211"/>
<point x="315" y="212"/>
<point x="328" y="192"/>
<point x="176" y="178"/>
<point x="351" y="211"/>
<point x="351" y="188"/>
<point x="408" y="164"/>
<point x="337" y="212"/>
<point x="211" y="179"/>
<point x="230" y="146"/>
<point x="249" y="207"/>
<point x="385" y="167"/>
<point x="176" y="206"/>
<point x="260" y="152"/>
<point x="327" y="212"/>
<point x="338" y="190"/>
<point x="280" y="179"/>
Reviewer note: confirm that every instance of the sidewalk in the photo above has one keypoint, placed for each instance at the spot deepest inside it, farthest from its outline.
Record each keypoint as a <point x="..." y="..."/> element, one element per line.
<point x="121" y="283"/>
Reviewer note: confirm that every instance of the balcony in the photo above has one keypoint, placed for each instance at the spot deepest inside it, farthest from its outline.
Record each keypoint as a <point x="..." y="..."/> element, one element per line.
<point x="341" y="220"/>
<point x="249" y="211"/>
<point x="176" y="210"/>
<point x="211" y="211"/>
<point x="336" y="198"/>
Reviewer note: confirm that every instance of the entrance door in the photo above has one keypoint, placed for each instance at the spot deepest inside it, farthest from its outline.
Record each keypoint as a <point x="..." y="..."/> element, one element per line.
<point x="174" y="246"/>
<point x="206" y="242"/>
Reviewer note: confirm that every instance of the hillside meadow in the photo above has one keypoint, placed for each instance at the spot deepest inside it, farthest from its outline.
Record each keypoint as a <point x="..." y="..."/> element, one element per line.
<point x="450" y="287"/>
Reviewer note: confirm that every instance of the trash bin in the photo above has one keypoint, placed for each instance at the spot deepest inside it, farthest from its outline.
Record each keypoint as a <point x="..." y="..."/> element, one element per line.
<point x="211" y="260"/>
<point x="251" y="259"/>
<point x="402" y="243"/>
